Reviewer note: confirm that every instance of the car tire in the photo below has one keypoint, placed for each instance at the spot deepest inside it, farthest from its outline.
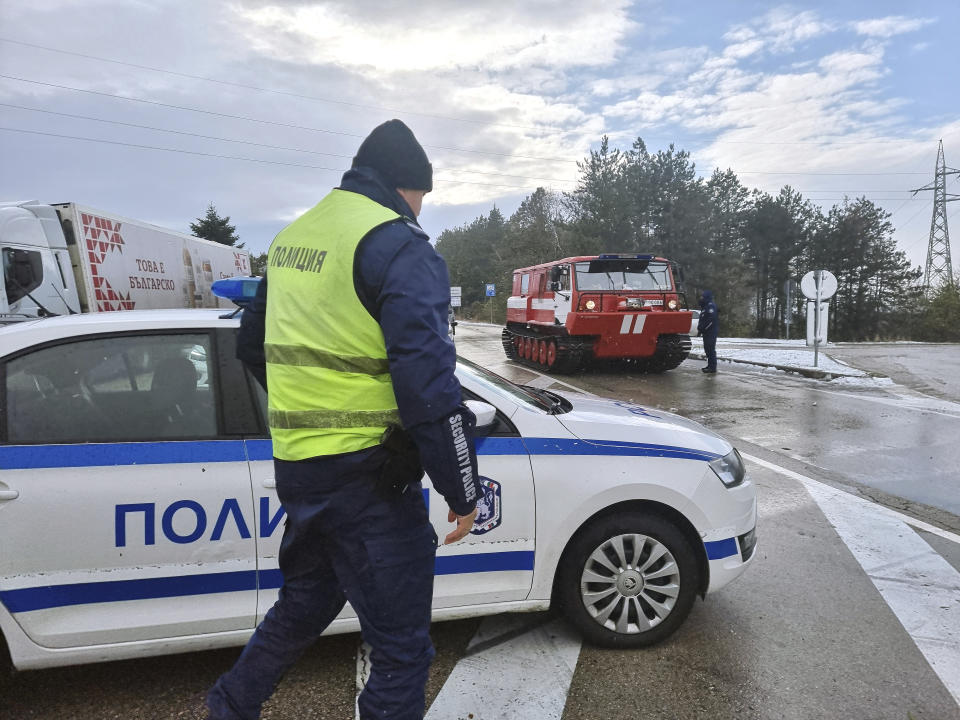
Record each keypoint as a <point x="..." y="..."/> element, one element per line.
<point x="628" y="580"/>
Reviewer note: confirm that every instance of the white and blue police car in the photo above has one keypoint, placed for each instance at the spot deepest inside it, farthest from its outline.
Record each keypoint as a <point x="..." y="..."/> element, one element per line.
<point x="138" y="514"/>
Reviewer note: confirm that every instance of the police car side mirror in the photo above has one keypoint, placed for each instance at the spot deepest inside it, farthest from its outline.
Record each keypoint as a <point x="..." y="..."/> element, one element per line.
<point x="486" y="415"/>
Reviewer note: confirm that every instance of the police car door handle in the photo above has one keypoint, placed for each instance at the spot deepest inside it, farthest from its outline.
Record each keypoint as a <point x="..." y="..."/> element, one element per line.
<point x="9" y="495"/>
<point x="269" y="483"/>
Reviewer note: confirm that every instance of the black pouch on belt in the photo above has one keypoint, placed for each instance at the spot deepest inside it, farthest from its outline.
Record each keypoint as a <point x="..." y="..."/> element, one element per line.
<point x="402" y="467"/>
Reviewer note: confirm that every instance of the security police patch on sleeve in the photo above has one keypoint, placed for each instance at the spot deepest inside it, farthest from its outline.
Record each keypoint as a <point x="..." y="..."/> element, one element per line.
<point x="488" y="507"/>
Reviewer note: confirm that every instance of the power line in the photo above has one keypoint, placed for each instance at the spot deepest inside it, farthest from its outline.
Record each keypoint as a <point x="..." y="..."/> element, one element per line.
<point x="771" y="172"/>
<point x="714" y="140"/>
<point x="277" y="123"/>
<point x="154" y="128"/>
<point x="852" y="191"/>
<point x="274" y="91"/>
<point x="249" y="142"/>
<point x="232" y="157"/>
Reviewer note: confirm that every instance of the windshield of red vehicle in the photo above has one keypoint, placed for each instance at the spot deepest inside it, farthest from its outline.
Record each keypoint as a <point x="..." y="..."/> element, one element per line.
<point x="623" y="275"/>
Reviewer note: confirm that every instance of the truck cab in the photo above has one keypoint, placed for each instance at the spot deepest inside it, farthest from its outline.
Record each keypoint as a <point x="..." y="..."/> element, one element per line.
<point x="37" y="277"/>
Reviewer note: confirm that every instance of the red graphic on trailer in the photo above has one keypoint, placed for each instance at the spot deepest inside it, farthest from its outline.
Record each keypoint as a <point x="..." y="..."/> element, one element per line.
<point x="102" y="236"/>
<point x="242" y="263"/>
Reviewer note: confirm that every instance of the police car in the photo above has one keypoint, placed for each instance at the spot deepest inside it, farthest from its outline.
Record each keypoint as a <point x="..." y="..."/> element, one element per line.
<point x="138" y="514"/>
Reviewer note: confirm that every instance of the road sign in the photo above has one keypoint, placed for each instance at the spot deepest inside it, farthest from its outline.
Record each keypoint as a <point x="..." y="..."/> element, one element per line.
<point x="491" y="290"/>
<point x="822" y="280"/>
<point x="456" y="296"/>
<point x="818" y="286"/>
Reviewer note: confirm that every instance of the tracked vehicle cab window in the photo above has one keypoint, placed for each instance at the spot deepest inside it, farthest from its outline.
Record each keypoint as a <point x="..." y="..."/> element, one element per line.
<point x="623" y="274"/>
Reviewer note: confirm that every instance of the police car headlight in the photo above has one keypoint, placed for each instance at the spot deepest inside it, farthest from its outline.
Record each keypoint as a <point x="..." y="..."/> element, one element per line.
<point x="730" y="468"/>
<point x="672" y="304"/>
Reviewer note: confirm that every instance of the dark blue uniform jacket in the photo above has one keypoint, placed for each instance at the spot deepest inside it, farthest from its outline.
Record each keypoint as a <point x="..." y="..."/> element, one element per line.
<point x="403" y="283"/>
<point x="708" y="326"/>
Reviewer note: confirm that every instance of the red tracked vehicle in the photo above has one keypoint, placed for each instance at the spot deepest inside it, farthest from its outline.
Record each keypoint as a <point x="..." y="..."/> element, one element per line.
<point x="565" y="313"/>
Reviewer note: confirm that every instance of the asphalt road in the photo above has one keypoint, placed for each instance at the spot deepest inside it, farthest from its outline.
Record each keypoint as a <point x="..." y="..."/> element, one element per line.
<point x="933" y="369"/>
<point x="849" y="612"/>
<point x="895" y="443"/>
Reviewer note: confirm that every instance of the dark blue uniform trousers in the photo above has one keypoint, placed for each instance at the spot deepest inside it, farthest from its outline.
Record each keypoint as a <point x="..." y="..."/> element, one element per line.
<point x="342" y="541"/>
<point x="710" y="350"/>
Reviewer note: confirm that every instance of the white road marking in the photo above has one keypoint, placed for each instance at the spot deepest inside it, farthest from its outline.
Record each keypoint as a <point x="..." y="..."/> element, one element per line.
<point x="363" y="672"/>
<point x="541" y="381"/>
<point x="944" y="408"/>
<point x="553" y="380"/>
<point x="526" y="676"/>
<point x="920" y="587"/>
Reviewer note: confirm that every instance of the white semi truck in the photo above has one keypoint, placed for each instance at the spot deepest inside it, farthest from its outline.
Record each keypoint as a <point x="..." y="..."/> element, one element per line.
<point x="65" y="258"/>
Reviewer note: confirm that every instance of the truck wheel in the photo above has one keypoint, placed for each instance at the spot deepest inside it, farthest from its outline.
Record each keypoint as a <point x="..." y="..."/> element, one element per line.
<point x="551" y="353"/>
<point x="628" y="580"/>
<point x="542" y="352"/>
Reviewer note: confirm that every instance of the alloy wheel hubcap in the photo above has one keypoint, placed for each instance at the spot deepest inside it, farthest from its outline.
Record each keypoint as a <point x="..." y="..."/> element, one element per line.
<point x="630" y="583"/>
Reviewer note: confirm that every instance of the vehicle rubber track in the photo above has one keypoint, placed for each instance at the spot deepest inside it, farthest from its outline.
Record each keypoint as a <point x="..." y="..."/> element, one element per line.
<point x="569" y="352"/>
<point x="671" y="351"/>
<point x="506" y="337"/>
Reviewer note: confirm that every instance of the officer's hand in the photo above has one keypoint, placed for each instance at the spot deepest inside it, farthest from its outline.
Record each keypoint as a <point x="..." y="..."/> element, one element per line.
<point x="464" y="525"/>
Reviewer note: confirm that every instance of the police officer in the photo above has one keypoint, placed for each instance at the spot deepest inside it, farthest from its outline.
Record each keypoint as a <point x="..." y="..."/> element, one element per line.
<point x="360" y="373"/>
<point x="707" y="328"/>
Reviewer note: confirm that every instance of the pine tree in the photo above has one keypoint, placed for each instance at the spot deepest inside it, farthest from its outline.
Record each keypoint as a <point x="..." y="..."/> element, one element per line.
<point x="213" y="227"/>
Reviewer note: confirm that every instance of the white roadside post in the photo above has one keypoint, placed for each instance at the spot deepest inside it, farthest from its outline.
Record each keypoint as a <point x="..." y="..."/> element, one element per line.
<point x="818" y="286"/>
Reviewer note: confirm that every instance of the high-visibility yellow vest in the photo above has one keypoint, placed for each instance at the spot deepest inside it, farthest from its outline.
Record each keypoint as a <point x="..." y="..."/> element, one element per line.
<point x="327" y="373"/>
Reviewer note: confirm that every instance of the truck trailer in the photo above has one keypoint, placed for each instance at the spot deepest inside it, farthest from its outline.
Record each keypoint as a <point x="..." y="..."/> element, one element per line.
<point x="564" y="314"/>
<point x="66" y="258"/>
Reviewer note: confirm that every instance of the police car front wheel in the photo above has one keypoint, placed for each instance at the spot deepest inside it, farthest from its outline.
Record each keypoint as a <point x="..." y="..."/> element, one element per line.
<point x="629" y="580"/>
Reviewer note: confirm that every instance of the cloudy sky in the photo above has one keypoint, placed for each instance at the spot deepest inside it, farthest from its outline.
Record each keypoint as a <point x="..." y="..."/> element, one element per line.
<point x="258" y="106"/>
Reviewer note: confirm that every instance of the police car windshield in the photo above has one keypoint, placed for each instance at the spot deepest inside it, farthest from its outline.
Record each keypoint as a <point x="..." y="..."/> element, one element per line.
<point x="622" y="274"/>
<point x="502" y="386"/>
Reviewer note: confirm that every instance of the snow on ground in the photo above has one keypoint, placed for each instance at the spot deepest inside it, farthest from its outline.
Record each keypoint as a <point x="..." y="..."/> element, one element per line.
<point x="789" y="358"/>
<point x="866" y="381"/>
<point x="760" y="341"/>
<point x="785" y="354"/>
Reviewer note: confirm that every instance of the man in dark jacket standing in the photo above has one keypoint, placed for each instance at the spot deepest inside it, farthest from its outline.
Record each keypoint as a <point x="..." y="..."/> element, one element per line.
<point x="362" y="399"/>
<point x="707" y="328"/>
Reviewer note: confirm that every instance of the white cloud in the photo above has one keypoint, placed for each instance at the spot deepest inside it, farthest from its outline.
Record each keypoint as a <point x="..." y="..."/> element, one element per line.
<point x="779" y="30"/>
<point x="744" y="49"/>
<point x="889" y="26"/>
<point x="494" y="35"/>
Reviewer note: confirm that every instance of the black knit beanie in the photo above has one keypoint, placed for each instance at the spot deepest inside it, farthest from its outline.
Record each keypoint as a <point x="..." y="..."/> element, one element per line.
<point x="393" y="151"/>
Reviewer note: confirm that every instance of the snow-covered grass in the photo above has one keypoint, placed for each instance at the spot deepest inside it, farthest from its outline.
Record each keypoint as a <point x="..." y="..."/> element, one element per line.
<point x="801" y="342"/>
<point x="789" y="358"/>
<point x="866" y="381"/>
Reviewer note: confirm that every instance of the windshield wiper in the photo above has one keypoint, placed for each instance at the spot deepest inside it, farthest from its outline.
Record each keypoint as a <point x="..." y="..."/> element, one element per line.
<point x="556" y="402"/>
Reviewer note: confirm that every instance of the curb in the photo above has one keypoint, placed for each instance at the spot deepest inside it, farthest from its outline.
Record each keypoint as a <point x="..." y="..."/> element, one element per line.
<point x="806" y="372"/>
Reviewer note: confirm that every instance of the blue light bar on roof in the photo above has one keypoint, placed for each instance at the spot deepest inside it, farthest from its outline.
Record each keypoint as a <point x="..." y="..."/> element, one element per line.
<point x="240" y="290"/>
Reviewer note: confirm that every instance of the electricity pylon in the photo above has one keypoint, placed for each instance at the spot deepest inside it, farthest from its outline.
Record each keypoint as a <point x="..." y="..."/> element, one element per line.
<point x="939" y="268"/>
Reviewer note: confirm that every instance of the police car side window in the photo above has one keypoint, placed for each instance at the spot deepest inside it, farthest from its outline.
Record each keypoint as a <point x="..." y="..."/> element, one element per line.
<point x="112" y="389"/>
